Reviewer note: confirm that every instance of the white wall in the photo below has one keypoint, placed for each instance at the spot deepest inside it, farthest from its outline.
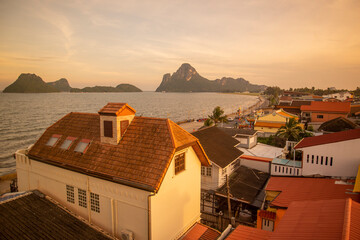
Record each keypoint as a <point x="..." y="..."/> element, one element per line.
<point x="177" y="204"/>
<point x="283" y="170"/>
<point x="121" y="207"/>
<point x="211" y="182"/>
<point x="345" y="154"/>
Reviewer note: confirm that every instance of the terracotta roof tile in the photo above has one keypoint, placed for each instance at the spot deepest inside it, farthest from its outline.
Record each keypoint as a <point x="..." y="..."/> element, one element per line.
<point x="299" y="189"/>
<point x="248" y="233"/>
<point x="267" y="214"/>
<point x="329" y="138"/>
<point x="115" y="108"/>
<point x="268" y="124"/>
<point x="140" y="159"/>
<point x="322" y="219"/>
<point x="316" y="106"/>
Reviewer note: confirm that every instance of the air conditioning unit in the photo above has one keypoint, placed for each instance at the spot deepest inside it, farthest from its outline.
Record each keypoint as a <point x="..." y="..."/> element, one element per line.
<point x="126" y="235"/>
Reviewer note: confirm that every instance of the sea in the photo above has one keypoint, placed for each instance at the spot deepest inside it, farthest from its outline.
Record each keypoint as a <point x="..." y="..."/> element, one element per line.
<point x="25" y="116"/>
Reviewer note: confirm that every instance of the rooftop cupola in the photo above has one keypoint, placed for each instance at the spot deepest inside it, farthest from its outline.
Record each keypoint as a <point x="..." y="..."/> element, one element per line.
<point x="114" y="120"/>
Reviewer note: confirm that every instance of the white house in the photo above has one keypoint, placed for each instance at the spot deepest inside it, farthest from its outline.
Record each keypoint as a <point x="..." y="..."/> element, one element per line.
<point x="336" y="154"/>
<point x="341" y="95"/>
<point x="129" y="175"/>
<point x="223" y="155"/>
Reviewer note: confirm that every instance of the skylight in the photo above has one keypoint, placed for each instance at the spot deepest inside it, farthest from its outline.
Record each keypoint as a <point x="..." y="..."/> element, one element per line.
<point x="82" y="146"/>
<point x="67" y="143"/>
<point x="53" y="140"/>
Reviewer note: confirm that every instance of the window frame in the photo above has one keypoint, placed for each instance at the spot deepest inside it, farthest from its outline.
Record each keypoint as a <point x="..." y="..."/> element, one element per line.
<point x="108" y="129"/>
<point x="94" y="202"/>
<point x="54" y="136"/>
<point x="70" y="194"/>
<point x="179" y="163"/>
<point x="82" y="141"/>
<point x="69" y="140"/>
<point x="82" y="197"/>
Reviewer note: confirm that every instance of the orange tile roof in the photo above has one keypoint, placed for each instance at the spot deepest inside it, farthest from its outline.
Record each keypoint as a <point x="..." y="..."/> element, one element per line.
<point x="286" y="114"/>
<point x="329" y="138"/>
<point x="242" y="232"/>
<point x="255" y="158"/>
<point x="140" y="160"/>
<point x="341" y="107"/>
<point x="267" y="214"/>
<point x="269" y="124"/>
<point x="300" y="189"/>
<point x="320" y="220"/>
<point x="200" y="232"/>
<point x="116" y="109"/>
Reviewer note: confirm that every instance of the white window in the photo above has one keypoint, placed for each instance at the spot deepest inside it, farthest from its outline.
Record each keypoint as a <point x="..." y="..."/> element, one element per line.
<point x="203" y="170"/>
<point x="208" y="171"/>
<point x="82" y="146"/>
<point x="70" y="194"/>
<point x="67" y="143"/>
<point x="94" y="202"/>
<point x="82" y="198"/>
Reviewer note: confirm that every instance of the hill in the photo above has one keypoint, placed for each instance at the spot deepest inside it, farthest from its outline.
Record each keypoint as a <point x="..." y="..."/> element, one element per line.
<point x="119" y="88"/>
<point x="29" y="83"/>
<point x="187" y="79"/>
<point x="62" y="85"/>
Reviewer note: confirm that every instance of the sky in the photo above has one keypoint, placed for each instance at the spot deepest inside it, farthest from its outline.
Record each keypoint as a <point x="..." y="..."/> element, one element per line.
<point x="296" y="43"/>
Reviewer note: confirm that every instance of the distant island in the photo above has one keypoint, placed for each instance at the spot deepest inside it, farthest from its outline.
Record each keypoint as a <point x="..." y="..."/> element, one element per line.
<point x="31" y="83"/>
<point x="186" y="79"/>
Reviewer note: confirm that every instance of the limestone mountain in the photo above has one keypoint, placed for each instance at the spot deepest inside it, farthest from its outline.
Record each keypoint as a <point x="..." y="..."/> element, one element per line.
<point x="187" y="79"/>
<point x="29" y="83"/>
<point x="62" y="85"/>
<point x="119" y="88"/>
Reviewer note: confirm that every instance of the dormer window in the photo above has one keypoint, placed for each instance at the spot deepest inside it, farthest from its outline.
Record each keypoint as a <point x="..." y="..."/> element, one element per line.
<point x="67" y="143"/>
<point x="108" y="129"/>
<point x="82" y="146"/>
<point x="179" y="163"/>
<point x="53" y="140"/>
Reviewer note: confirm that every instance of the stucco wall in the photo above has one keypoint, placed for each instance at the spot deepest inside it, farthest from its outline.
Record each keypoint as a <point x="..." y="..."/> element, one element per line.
<point x="211" y="182"/>
<point x="326" y="116"/>
<point x="258" y="165"/>
<point x="177" y="204"/>
<point x="121" y="207"/>
<point x="345" y="154"/>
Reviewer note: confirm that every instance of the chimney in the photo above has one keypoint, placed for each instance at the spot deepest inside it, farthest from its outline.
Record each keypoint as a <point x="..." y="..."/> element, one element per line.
<point x="114" y="120"/>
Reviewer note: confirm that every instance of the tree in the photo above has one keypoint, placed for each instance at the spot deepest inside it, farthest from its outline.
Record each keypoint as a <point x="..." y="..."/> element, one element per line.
<point x="291" y="131"/>
<point x="218" y="116"/>
<point x="208" y="122"/>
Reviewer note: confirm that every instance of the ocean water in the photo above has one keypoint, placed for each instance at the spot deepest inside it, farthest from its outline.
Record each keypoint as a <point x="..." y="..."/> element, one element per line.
<point x="24" y="117"/>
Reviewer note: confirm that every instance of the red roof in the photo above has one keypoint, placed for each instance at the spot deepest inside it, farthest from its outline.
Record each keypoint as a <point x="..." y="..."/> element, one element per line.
<point x="300" y="189"/>
<point x="141" y="158"/>
<point x="329" y="138"/>
<point x="267" y="214"/>
<point x="200" y="232"/>
<point x="248" y="233"/>
<point x="316" y="106"/>
<point x="323" y="219"/>
<point x="254" y="158"/>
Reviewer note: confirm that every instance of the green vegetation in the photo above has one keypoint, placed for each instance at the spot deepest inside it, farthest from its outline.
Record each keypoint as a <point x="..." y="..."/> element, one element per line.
<point x="61" y="85"/>
<point x="291" y="131"/>
<point x="118" y="88"/>
<point x="273" y="94"/>
<point x="273" y="141"/>
<point x="216" y="117"/>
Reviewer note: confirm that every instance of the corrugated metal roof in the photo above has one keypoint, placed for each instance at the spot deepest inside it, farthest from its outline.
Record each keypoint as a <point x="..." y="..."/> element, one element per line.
<point x="329" y="138"/>
<point x="248" y="233"/>
<point x="320" y="220"/>
<point x="200" y="232"/>
<point x="300" y="189"/>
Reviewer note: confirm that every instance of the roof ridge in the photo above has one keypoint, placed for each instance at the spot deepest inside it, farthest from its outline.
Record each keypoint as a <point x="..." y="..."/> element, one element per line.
<point x="154" y="118"/>
<point x="347" y="220"/>
<point x="171" y="133"/>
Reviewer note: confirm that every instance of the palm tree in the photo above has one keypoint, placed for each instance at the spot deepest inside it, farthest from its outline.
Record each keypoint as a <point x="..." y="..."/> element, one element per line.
<point x="291" y="131"/>
<point x="208" y="122"/>
<point x="217" y="116"/>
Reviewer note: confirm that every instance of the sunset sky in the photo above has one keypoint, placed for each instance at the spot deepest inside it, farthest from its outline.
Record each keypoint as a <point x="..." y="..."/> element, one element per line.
<point x="288" y="43"/>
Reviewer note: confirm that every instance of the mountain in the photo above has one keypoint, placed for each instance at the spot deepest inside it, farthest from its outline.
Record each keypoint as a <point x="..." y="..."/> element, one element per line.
<point x="62" y="85"/>
<point x="29" y="83"/>
<point x="187" y="79"/>
<point x="119" y="88"/>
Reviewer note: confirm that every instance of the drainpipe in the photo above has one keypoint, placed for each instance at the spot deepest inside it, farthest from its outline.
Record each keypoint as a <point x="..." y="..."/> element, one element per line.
<point x="149" y="215"/>
<point x="88" y="198"/>
<point x="226" y="232"/>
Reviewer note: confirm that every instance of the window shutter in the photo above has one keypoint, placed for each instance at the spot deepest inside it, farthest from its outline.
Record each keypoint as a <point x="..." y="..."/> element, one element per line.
<point x="108" y="129"/>
<point x="123" y="126"/>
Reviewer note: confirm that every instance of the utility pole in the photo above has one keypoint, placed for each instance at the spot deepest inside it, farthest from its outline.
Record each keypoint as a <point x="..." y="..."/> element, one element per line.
<point x="228" y="198"/>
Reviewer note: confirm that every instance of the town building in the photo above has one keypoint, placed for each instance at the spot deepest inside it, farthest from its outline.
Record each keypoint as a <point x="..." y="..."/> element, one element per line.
<point x="340" y="95"/>
<point x="282" y="191"/>
<point x="247" y="138"/>
<point x="269" y="124"/>
<point x="223" y="154"/>
<point x="337" y="125"/>
<point x="336" y="154"/>
<point x="128" y="175"/>
<point x="292" y="107"/>
<point x="319" y="112"/>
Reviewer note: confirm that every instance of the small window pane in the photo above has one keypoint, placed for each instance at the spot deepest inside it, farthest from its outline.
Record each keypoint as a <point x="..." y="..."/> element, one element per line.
<point x="82" y="198"/>
<point x="53" y="140"/>
<point x="108" y="129"/>
<point x="94" y="202"/>
<point x="70" y="194"/>
<point x="208" y="171"/>
<point x="203" y="170"/>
